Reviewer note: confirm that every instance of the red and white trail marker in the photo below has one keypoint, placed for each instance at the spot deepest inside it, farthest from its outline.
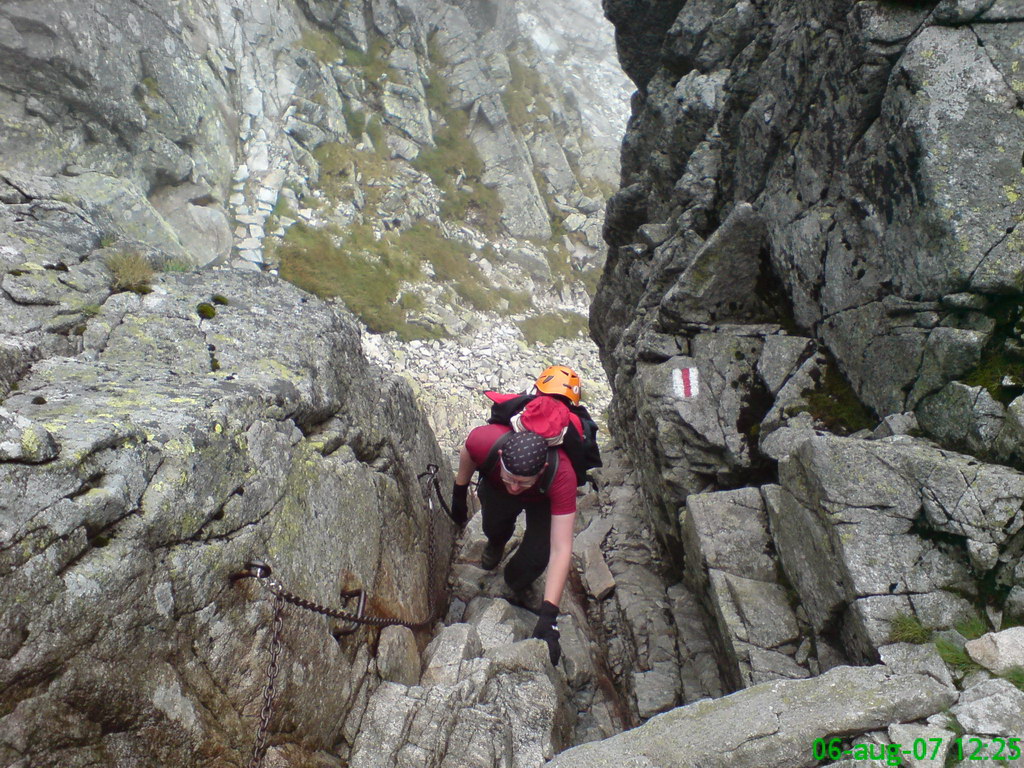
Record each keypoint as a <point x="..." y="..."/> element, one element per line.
<point x="685" y="382"/>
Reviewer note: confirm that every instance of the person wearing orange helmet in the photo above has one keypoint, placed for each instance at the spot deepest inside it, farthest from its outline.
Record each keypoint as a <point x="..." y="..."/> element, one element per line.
<point x="523" y="467"/>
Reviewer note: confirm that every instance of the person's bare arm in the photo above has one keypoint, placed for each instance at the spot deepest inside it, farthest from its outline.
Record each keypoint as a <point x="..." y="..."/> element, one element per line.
<point x="466" y="468"/>
<point x="560" y="557"/>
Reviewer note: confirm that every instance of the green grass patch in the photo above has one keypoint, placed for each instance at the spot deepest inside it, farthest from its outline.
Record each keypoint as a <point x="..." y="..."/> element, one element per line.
<point x="557" y="257"/>
<point x="374" y="62"/>
<point x="355" y="120"/>
<point x="973" y="628"/>
<point x="995" y="365"/>
<point x="411" y="302"/>
<point x="590" y="277"/>
<point x="834" y="403"/>
<point x="955" y="656"/>
<point x="526" y="96"/>
<point x="451" y="263"/>
<point x="283" y="208"/>
<point x="478" y="205"/>
<point x="326" y="46"/>
<point x="341" y="165"/>
<point x="367" y="273"/>
<point x="547" y="328"/>
<point x="454" y="155"/>
<point x="363" y="273"/>
<point x="375" y="130"/>
<point x="178" y="265"/>
<point x="518" y="301"/>
<point x="1014" y="675"/>
<point x="906" y="628"/>
<point x="1003" y="356"/>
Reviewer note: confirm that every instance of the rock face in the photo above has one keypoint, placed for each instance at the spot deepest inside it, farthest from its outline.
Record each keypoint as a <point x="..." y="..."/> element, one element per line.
<point x="772" y="724"/>
<point x="810" y="241"/>
<point x="184" y="125"/>
<point x="887" y="226"/>
<point x="811" y="321"/>
<point x="154" y="463"/>
<point x="269" y="135"/>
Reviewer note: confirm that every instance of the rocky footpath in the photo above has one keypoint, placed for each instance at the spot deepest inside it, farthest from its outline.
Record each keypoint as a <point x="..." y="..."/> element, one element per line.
<point x="485" y="695"/>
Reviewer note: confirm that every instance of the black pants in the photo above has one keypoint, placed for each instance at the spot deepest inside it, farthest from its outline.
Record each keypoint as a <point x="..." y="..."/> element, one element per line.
<point x="499" y="512"/>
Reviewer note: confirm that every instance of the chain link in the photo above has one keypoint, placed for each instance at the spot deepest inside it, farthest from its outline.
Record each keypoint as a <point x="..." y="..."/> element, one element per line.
<point x="260" y="744"/>
<point x="262" y="573"/>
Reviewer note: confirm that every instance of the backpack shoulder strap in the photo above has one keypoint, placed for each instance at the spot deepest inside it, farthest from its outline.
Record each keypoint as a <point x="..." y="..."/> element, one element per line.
<point x="492" y="455"/>
<point x="550" y="472"/>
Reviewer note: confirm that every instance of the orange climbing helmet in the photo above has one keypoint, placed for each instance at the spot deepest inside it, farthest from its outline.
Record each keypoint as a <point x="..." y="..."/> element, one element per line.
<point x="559" y="380"/>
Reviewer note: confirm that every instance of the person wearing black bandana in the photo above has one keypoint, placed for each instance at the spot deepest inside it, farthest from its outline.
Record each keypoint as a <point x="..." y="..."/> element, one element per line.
<point x="519" y="481"/>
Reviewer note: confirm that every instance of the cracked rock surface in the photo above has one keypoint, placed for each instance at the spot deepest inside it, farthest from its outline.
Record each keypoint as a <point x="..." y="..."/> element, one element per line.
<point x="179" y="448"/>
<point x="769" y="724"/>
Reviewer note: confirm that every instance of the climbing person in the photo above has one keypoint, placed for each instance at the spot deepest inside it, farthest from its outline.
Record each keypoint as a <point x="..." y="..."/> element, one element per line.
<point x="524" y="467"/>
<point x="520" y="472"/>
<point x="560" y="384"/>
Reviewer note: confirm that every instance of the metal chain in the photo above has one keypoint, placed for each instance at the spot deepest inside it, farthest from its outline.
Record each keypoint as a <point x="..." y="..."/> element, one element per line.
<point x="260" y="744"/>
<point x="428" y="480"/>
<point x="262" y="573"/>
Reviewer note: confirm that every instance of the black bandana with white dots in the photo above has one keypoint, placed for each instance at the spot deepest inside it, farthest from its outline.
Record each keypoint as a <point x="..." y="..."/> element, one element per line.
<point x="524" y="454"/>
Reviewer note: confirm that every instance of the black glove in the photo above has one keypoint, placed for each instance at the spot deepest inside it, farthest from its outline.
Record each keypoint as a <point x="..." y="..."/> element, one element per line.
<point x="547" y="630"/>
<point x="460" y="509"/>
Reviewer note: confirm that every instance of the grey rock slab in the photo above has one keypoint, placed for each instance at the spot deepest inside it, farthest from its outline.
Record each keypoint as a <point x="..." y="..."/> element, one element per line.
<point x="768" y="724"/>
<point x="174" y="473"/>
<point x="406" y="109"/>
<point x="896" y="424"/>
<point x="805" y="551"/>
<point x="767" y="617"/>
<point x="780" y="357"/>
<point x="908" y="658"/>
<point x="597" y="576"/>
<point x="398" y="660"/>
<point x="964" y="418"/>
<point x="767" y="665"/>
<point x="948" y="354"/>
<point x="719" y="282"/>
<point x="998" y="652"/>
<point x="699" y="669"/>
<point x="202" y="229"/>
<point x="993" y="708"/>
<point x="921" y="745"/>
<point x="16" y="355"/>
<point x="447" y="653"/>
<point x="23" y="440"/>
<point x="496" y="621"/>
<point x="728" y="531"/>
<point x="656" y="689"/>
